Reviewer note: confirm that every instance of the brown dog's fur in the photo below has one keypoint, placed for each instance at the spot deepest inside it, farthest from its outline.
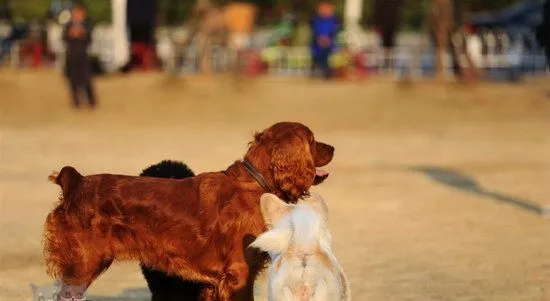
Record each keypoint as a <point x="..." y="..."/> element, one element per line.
<point x="198" y="228"/>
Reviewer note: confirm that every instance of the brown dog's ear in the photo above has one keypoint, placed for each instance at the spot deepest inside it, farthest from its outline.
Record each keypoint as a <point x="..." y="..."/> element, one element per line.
<point x="292" y="166"/>
<point x="273" y="208"/>
<point x="258" y="136"/>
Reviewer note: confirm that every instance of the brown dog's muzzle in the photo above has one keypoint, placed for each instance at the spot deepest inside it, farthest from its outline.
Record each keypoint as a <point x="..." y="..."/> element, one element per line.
<point x="323" y="156"/>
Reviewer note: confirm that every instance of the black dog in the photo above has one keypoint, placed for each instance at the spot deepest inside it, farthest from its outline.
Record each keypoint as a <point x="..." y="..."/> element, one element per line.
<point x="163" y="286"/>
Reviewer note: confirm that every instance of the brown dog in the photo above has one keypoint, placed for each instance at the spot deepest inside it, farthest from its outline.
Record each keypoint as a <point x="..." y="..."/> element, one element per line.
<point x="198" y="228"/>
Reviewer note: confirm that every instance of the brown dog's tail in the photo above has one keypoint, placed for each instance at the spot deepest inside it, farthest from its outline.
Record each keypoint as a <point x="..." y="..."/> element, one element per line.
<point x="68" y="178"/>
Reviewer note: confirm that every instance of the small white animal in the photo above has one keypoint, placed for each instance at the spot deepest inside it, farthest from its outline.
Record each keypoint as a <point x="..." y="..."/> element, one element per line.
<point x="58" y="291"/>
<point x="48" y="292"/>
<point x="303" y="267"/>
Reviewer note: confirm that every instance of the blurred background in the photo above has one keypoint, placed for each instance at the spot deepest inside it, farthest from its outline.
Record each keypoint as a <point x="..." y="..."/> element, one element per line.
<point x="503" y="37"/>
<point x="438" y="110"/>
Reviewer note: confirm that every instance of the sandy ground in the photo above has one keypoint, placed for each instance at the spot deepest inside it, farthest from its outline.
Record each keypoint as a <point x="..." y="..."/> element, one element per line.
<point x="435" y="190"/>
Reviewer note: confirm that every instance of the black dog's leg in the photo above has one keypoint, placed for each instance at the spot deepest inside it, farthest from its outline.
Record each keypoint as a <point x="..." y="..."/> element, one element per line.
<point x="170" y="288"/>
<point x="165" y="287"/>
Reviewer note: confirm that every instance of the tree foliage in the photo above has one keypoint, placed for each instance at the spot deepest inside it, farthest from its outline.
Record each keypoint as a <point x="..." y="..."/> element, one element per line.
<point x="176" y="11"/>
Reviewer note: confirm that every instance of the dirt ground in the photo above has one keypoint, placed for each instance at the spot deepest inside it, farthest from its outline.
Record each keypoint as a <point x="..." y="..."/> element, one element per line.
<point x="436" y="192"/>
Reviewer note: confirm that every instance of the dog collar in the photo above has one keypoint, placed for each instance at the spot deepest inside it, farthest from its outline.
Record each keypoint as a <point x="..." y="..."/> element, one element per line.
<point x="257" y="176"/>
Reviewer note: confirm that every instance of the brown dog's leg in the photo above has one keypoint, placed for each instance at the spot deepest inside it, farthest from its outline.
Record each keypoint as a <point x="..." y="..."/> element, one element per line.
<point x="234" y="284"/>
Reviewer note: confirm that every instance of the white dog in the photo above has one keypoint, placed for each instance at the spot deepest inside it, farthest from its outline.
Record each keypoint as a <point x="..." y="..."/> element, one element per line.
<point x="303" y="267"/>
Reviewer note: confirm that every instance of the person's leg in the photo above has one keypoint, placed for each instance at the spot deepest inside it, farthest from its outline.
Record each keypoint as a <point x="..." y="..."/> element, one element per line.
<point x="4" y="48"/>
<point x="455" y="59"/>
<point x="72" y="77"/>
<point x="86" y="73"/>
<point x="313" y="67"/>
<point x="205" y="53"/>
<point x="315" y="61"/>
<point x="74" y="92"/>
<point x="90" y="93"/>
<point x="134" y="36"/>
<point x="148" y="59"/>
<point x="324" y="62"/>
<point x="388" y="43"/>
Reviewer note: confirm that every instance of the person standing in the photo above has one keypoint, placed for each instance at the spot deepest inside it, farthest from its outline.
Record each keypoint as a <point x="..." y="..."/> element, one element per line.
<point x="441" y="23"/>
<point x="77" y="36"/>
<point x="324" y="27"/>
<point x="141" y="17"/>
<point x="386" y="19"/>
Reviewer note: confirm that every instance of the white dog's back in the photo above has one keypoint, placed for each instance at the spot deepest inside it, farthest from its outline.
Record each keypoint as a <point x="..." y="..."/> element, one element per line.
<point x="303" y="267"/>
<point x="295" y="282"/>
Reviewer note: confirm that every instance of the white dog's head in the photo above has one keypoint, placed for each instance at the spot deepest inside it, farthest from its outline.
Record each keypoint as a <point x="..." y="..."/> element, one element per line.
<point x="302" y="227"/>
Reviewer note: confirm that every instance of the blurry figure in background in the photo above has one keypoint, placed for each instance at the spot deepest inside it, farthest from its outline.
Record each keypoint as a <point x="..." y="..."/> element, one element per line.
<point x="285" y="30"/>
<point x="284" y="36"/>
<point x="474" y="46"/>
<point x="48" y="54"/>
<point x="324" y="26"/>
<point x="458" y="34"/>
<point x="543" y="31"/>
<point x="472" y="54"/>
<point x="141" y="18"/>
<point x="386" y="23"/>
<point x="31" y="46"/>
<point x="231" y="25"/>
<point x="240" y="18"/>
<point x="465" y="46"/>
<point x="206" y="23"/>
<point x="77" y="36"/>
<point x="441" y="22"/>
<point x="16" y="30"/>
<point x="515" y="52"/>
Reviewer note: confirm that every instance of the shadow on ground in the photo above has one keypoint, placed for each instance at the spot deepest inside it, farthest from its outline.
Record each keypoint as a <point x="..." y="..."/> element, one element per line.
<point x="458" y="180"/>
<point x="133" y="294"/>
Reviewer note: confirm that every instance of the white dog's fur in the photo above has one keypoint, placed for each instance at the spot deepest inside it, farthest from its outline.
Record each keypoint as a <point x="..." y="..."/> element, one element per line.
<point x="303" y="267"/>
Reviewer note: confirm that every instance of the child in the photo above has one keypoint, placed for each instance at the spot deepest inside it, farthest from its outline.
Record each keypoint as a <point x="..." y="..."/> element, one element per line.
<point x="324" y="27"/>
<point x="77" y="36"/>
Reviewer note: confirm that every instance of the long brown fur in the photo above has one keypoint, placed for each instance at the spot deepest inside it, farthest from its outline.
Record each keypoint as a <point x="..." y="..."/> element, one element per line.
<point x="198" y="228"/>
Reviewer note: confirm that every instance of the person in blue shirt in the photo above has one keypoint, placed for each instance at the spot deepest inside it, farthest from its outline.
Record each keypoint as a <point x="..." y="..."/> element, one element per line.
<point x="324" y="27"/>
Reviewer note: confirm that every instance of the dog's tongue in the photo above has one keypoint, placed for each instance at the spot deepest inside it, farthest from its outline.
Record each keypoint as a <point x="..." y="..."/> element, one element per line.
<point x="320" y="172"/>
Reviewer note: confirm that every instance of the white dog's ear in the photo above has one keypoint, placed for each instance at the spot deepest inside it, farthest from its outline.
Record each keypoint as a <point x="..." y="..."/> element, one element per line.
<point x="273" y="208"/>
<point x="318" y="203"/>
<point x="273" y="241"/>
